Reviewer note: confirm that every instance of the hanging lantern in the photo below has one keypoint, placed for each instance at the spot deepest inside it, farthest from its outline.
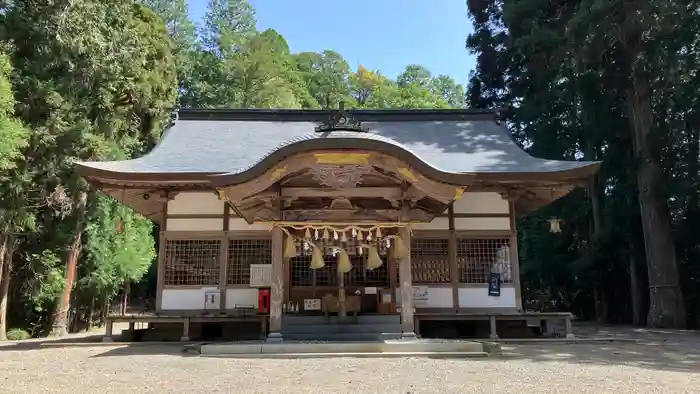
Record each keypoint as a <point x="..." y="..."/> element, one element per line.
<point x="373" y="259"/>
<point x="554" y="225"/>
<point x="400" y="248"/>
<point x="290" y="248"/>
<point x="344" y="264"/>
<point x="317" y="260"/>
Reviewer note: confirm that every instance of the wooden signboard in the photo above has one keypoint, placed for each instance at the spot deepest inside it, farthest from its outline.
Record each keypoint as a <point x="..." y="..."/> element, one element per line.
<point x="495" y="284"/>
<point x="260" y="275"/>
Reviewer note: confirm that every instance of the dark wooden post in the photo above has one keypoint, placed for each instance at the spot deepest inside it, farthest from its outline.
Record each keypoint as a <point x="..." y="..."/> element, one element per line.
<point x="407" y="323"/>
<point x="277" y="287"/>
<point x="452" y="257"/>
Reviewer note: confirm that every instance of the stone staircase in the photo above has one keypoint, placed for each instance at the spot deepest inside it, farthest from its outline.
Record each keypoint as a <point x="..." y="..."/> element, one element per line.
<point x="367" y="328"/>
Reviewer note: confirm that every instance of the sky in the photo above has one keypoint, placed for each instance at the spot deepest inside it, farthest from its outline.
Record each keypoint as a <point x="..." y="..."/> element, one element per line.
<point x="384" y="35"/>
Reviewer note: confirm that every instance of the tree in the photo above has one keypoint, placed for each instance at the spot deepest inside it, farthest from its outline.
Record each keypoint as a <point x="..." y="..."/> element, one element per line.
<point x="549" y="62"/>
<point x="326" y="76"/>
<point x="103" y="83"/>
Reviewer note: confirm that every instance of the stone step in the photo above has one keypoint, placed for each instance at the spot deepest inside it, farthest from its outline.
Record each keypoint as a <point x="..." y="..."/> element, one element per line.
<point x="339" y="328"/>
<point x="287" y="356"/>
<point x="291" y="319"/>
<point x="344" y="348"/>
<point x="342" y="336"/>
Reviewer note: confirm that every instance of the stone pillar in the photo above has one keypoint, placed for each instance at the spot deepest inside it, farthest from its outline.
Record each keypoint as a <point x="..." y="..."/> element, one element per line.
<point x="277" y="287"/>
<point x="407" y="324"/>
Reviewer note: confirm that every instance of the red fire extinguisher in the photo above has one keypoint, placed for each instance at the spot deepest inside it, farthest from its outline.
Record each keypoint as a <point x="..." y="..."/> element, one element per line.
<point x="264" y="300"/>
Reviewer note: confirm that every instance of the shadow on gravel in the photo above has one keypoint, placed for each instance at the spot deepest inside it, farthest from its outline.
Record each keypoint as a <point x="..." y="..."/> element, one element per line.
<point x="650" y="356"/>
<point x="105" y="349"/>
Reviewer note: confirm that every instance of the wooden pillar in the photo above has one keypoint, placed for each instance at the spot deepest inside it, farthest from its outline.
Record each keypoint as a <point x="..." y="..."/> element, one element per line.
<point x="493" y="332"/>
<point x="393" y="280"/>
<point x="223" y="259"/>
<point x="185" y="330"/>
<point x="514" y="260"/>
<point x="277" y="287"/>
<point x="108" y="331"/>
<point x="160" y="282"/>
<point x="342" y="306"/>
<point x="569" y="328"/>
<point x="407" y="323"/>
<point x="452" y="257"/>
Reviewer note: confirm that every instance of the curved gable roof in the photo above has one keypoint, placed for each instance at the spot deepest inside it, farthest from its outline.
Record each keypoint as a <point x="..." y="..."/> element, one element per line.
<point x="447" y="143"/>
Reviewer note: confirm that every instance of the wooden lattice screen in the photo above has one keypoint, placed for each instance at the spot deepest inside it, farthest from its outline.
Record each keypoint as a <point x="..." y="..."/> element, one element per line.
<point x="241" y="254"/>
<point x="476" y="258"/>
<point x="192" y="262"/>
<point x="430" y="261"/>
<point x="303" y="276"/>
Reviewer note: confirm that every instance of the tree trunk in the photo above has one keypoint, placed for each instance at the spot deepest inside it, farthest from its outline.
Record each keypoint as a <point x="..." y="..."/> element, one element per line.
<point x="125" y="298"/>
<point x="666" y="299"/>
<point x="60" y="316"/>
<point x="6" y="252"/>
<point x="635" y="289"/>
<point x="596" y="230"/>
<point x="91" y="314"/>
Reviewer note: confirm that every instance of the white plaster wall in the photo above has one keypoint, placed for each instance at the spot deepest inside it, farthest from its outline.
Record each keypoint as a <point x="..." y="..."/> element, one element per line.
<point x="241" y="297"/>
<point x="196" y="203"/>
<point x="481" y="203"/>
<point x="237" y="224"/>
<point x="441" y="223"/>
<point x="438" y="297"/>
<point x="185" y="299"/>
<point x="200" y="224"/>
<point x="478" y="297"/>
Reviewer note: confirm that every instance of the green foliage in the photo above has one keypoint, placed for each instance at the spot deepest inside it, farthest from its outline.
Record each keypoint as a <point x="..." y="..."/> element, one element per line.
<point x="13" y="135"/>
<point x="46" y="280"/>
<point x="119" y="247"/>
<point x="18" y="334"/>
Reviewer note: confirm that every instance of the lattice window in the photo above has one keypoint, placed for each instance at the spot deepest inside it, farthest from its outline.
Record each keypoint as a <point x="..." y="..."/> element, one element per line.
<point x="244" y="252"/>
<point x="192" y="262"/>
<point x="430" y="261"/>
<point x="476" y="258"/>
<point x="302" y="275"/>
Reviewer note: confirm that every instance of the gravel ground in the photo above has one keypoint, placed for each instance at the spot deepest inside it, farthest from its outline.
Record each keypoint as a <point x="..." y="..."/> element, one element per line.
<point x="663" y="362"/>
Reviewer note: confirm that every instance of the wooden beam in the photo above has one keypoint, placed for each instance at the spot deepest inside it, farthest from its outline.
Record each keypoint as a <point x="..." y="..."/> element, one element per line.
<point x="393" y="193"/>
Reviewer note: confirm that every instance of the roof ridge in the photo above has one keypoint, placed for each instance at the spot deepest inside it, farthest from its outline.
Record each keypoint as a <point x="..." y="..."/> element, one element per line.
<point x="320" y="115"/>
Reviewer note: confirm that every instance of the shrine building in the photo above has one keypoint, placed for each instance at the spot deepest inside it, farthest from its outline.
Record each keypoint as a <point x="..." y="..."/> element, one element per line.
<point x="297" y="219"/>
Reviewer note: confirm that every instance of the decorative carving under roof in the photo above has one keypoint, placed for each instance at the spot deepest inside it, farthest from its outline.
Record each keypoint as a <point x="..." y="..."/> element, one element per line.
<point x="339" y="176"/>
<point x="339" y="120"/>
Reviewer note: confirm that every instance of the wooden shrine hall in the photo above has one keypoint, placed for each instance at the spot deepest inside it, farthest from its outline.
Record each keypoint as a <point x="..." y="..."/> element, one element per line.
<point x="298" y="219"/>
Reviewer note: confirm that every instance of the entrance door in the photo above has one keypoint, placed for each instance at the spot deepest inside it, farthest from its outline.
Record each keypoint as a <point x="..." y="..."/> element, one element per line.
<point x="305" y="283"/>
